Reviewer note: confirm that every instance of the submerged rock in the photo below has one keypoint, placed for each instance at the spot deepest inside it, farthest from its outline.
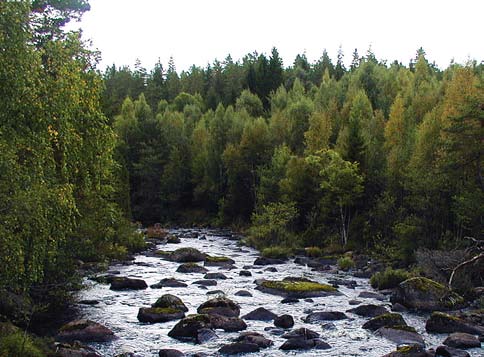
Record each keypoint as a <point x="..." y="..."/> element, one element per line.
<point x="124" y="283"/>
<point x="260" y="314"/>
<point x="218" y="276"/>
<point x="205" y="282"/>
<point x="85" y="331"/>
<point x="75" y="350"/>
<point x="243" y="293"/>
<point x="427" y="295"/>
<point x="245" y="273"/>
<point x="268" y="261"/>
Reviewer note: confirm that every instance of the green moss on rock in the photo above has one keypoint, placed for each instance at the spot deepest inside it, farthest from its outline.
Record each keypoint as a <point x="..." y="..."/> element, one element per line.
<point x="297" y="286"/>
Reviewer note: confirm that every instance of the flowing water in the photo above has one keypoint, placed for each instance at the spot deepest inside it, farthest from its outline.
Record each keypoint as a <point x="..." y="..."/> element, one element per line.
<point x="118" y="309"/>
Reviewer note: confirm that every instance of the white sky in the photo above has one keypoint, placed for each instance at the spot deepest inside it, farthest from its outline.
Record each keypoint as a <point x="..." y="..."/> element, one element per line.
<point x="198" y="31"/>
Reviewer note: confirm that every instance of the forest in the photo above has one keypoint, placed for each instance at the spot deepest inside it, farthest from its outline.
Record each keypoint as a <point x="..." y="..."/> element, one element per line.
<point x="379" y="157"/>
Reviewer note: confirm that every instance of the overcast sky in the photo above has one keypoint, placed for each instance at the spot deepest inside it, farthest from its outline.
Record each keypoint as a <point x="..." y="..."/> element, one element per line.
<point x="198" y="31"/>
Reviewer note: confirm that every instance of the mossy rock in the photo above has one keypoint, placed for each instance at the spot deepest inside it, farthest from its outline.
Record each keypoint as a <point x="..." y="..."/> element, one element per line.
<point x="295" y="288"/>
<point x="159" y="314"/>
<point x="187" y="329"/>
<point x="170" y="301"/>
<point x="386" y="320"/>
<point x="220" y="306"/>
<point x="218" y="261"/>
<point x="440" y="322"/>
<point x="85" y="330"/>
<point x="427" y="295"/>
<point x="191" y="268"/>
<point x="187" y="255"/>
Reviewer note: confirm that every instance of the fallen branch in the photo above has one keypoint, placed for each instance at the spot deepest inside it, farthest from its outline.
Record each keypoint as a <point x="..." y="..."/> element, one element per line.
<point x="467" y="262"/>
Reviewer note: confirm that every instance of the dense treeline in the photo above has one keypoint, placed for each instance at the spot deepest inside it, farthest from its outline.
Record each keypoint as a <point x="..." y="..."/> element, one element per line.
<point x="314" y="154"/>
<point x="58" y="177"/>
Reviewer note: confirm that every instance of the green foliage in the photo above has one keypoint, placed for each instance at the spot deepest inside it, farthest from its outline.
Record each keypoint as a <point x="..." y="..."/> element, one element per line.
<point x="271" y="226"/>
<point x="389" y="278"/>
<point x="313" y="252"/>
<point x="345" y="263"/>
<point x="19" y="345"/>
<point x="279" y="252"/>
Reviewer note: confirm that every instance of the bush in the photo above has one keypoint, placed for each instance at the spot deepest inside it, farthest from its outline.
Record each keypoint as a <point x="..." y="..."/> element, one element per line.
<point x="277" y="252"/>
<point x="18" y="345"/>
<point x="389" y="279"/>
<point x="313" y="252"/>
<point x="346" y="263"/>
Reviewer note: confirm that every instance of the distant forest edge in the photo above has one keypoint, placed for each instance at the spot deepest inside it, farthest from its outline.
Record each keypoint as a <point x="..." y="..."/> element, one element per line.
<point x="314" y="154"/>
<point x="377" y="157"/>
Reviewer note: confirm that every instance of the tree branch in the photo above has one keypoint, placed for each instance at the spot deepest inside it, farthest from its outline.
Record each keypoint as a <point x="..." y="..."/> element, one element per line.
<point x="467" y="262"/>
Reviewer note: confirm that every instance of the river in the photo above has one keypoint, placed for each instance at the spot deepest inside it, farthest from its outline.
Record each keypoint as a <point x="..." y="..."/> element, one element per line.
<point x="118" y="309"/>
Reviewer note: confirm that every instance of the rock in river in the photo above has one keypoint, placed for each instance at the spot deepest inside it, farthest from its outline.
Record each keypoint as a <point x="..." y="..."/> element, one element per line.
<point x="260" y="314"/>
<point x="385" y="320"/>
<point x="189" y="268"/>
<point x="188" y="328"/>
<point x="169" y="352"/>
<point x="462" y="340"/>
<point x="401" y="337"/>
<point x="170" y="301"/>
<point x="238" y="348"/>
<point x="169" y="283"/>
<point x="187" y="255"/>
<point x="325" y="316"/>
<point x="297" y="289"/>
<point x="255" y="338"/>
<point x="124" y="283"/>
<point x="427" y="295"/>
<point x="268" y="261"/>
<point x="284" y="321"/>
<point x="369" y="310"/>
<point x="85" y="331"/>
<point x="440" y="322"/>
<point x="159" y="314"/>
<point x="220" y="306"/>
<point x="446" y="351"/>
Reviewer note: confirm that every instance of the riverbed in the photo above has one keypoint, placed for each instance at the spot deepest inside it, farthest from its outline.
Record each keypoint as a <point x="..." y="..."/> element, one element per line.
<point x="118" y="309"/>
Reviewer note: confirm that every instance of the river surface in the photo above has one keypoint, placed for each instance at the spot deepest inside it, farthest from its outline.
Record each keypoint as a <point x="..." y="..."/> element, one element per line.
<point x="118" y="309"/>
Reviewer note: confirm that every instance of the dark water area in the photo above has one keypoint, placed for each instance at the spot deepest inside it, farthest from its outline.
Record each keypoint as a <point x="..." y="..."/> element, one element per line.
<point x="118" y="309"/>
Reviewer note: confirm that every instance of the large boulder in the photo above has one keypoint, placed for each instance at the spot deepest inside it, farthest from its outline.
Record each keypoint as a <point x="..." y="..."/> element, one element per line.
<point x="401" y="336"/>
<point x="296" y="289"/>
<point x="159" y="314"/>
<point x="462" y="340"/>
<point x="440" y="322"/>
<point x="427" y="295"/>
<point x="386" y="320"/>
<point x="124" y="283"/>
<point x="187" y="255"/>
<point x="220" y="306"/>
<point x="85" y="331"/>
<point x="260" y="314"/>
<point x="190" y="268"/>
<point x="75" y="350"/>
<point x="319" y="316"/>
<point x="170" y="301"/>
<point x="369" y="310"/>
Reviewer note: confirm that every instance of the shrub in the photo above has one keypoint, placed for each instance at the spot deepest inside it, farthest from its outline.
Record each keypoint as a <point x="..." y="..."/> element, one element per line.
<point x="313" y="252"/>
<point x="346" y="263"/>
<point x="277" y="252"/>
<point x="389" y="279"/>
<point x="19" y="345"/>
